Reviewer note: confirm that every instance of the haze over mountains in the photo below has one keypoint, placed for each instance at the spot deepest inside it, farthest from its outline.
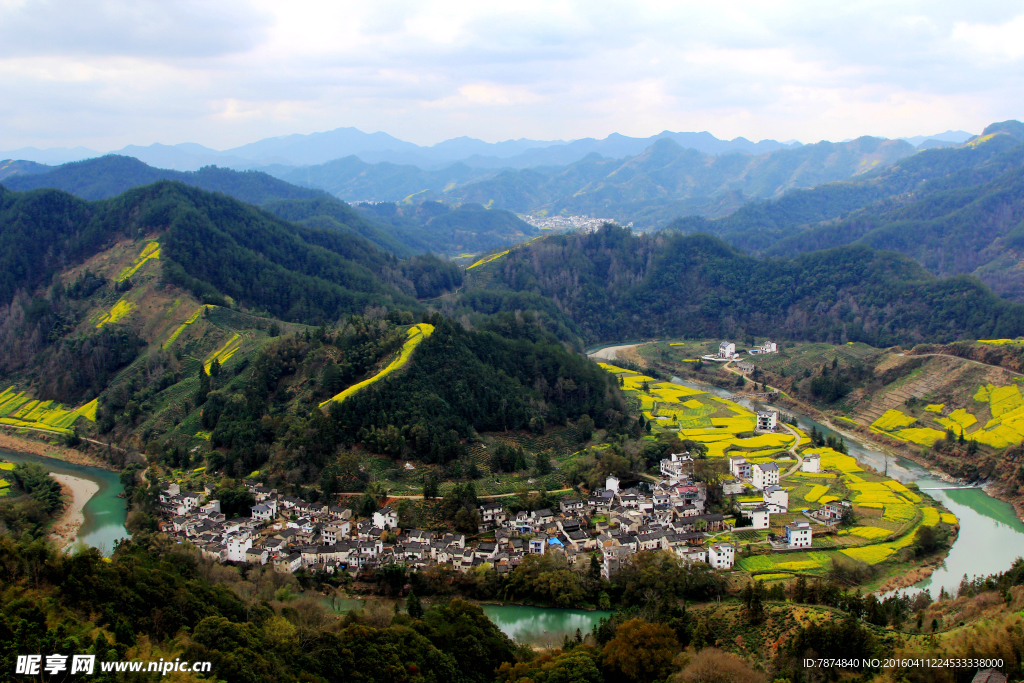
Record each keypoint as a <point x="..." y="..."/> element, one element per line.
<point x="319" y="148"/>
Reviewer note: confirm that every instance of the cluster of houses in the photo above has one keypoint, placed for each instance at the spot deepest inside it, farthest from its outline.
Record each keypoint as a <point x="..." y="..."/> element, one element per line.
<point x="611" y="524"/>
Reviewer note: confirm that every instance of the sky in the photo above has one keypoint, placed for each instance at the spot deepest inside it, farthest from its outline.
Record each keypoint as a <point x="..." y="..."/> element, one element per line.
<point x="106" y="73"/>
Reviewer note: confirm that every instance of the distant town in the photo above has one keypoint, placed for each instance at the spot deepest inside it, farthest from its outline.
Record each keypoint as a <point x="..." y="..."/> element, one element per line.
<point x="583" y="223"/>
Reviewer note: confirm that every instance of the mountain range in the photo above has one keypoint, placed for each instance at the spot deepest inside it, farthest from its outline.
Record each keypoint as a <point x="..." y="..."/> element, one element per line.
<point x="319" y="148"/>
<point x="957" y="211"/>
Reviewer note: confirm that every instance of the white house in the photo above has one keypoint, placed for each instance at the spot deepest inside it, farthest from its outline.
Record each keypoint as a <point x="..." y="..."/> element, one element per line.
<point x="385" y="518"/>
<point x="769" y="347"/>
<point x="335" y="531"/>
<point x="612" y="484"/>
<point x="237" y="545"/>
<point x="726" y="350"/>
<point x="722" y="556"/>
<point x="811" y="463"/>
<point x="776" y="498"/>
<point x="678" y="466"/>
<point x="767" y="420"/>
<point x="690" y="554"/>
<point x="538" y="543"/>
<point x="766" y="474"/>
<point x="760" y="517"/>
<point x="739" y="467"/>
<point x="263" y="513"/>
<point x="798" y="534"/>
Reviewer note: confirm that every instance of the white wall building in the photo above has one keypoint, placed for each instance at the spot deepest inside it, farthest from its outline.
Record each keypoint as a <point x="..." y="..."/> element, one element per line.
<point x="776" y="498"/>
<point x="237" y="545"/>
<point x="769" y="347"/>
<point x="386" y="518"/>
<point x="766" y="474"/>
<point x="726" y="350"/>
<point x="760" y="517"/>
<point x="811" y="463"/>
<point x="767" y="420"/>
<point x="798" y="535"/>
<point x="722" y="556"/>
<point x="612" y="484"/>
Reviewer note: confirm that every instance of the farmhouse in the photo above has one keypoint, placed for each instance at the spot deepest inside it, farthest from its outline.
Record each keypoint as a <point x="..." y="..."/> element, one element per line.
<point x="776" y="498"/>
<point x="739" y="467"/>
<point x="811" y="463"/>
<point x="766" y="474"/>
<point x="745" y="366"/>
<point x="760" y="517"/>
<point x="722" y="556"/>
<point x="727" y="350"/>
<point x="797" y="534"/>
<point x="679" y="466"/>
<point x="767" y="420"/>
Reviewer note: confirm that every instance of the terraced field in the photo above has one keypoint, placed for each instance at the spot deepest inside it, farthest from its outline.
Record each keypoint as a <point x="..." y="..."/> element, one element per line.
<point x="18" y="410"/>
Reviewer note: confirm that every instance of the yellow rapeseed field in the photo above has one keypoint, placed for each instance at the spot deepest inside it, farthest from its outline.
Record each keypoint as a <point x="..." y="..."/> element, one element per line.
<point x="117" y="312"/>
<point x="892" y="420"/>
<point x="150" y="251"/>
<point x="416" y="335"/>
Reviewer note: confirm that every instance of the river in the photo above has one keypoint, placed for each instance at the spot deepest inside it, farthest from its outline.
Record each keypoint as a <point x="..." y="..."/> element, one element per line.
<point x="539" y="626"/>
<point x="104" y="514"/>
<point x="991" y="537"/>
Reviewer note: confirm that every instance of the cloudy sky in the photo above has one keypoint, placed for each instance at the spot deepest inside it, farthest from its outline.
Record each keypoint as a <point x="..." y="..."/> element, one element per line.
<point x="106" y="73"/>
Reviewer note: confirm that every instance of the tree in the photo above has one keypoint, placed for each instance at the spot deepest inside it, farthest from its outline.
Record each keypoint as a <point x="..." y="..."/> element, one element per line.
<point x="413" y="605"/>
<point x="586" y="426"/>
<point x="431" y="486"/>
<point x="711" y="665"/>
<point x="641" y="651"/>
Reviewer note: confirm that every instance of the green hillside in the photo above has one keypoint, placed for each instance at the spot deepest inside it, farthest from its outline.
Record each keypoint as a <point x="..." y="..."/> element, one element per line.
<point x="111" y="175"/>
<point x="616" y="285"/>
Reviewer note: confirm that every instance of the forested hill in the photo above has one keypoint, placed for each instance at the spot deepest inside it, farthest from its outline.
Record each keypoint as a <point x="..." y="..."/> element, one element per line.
<point x="616" y="285"/>
<point x="758" y="226"/>
<point x="219" y="248"/>
<point x="111" y="175"/>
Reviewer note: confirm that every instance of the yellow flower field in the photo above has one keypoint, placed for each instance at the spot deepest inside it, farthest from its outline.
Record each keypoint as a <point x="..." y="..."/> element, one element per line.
<point x="871" y="554"/>
<point x="224" y="353"/>
<point x="150" y="251"/>
<point x="488" y="259"/>
<point x="924" y="436"/>
<point x="870" y="532"/>
<point x="892" y="420"/>
<point x="899" y="512"/>
<point x="181" y="328"/>
<point x="816" y="492"/>
<point x="930" y="516"/>
<point x="416" y="335"/>
<point x="935" y="407"/>
<point x="117" y="312"/>
<point x="948" y="518"/>
<point x="19" y="411"/>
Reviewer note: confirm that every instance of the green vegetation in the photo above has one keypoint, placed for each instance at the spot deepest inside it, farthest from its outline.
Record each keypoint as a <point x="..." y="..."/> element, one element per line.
<point x="616" y="285"/>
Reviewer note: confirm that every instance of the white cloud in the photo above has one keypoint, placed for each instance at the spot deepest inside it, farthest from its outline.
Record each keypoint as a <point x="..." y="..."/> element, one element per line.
<point x="105" y="73"/>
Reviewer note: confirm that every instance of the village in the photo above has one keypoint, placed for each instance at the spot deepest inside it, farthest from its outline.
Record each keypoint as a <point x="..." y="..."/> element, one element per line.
<point x="609" y="524"/>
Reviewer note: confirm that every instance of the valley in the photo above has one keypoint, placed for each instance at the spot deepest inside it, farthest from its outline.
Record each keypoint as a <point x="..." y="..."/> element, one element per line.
<point x="298" y="400"/>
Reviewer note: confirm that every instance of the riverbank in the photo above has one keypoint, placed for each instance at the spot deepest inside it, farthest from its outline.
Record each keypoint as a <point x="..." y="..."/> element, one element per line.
<point x="79" y="492"/>
<point x="18" y="443"/>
